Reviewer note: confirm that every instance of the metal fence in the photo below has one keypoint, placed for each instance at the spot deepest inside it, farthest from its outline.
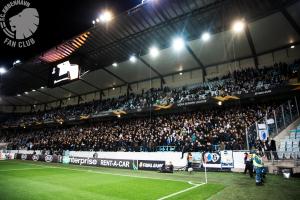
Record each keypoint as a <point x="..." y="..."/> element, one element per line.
<point x="276" y="119"/>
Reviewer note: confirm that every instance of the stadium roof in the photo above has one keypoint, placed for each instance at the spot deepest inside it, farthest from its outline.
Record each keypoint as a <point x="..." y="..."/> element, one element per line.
<point x="157" y="23"/>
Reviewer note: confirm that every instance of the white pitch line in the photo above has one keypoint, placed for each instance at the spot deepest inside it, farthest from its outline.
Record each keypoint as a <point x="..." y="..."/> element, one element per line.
<point x="125" y="175"/>
<point x="181" y="191"/>
<point x="109" y="173"/>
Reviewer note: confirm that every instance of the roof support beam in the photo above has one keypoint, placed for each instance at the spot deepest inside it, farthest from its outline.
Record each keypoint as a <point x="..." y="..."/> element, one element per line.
<point x="47" y="94"/>
<point x="11" y="104"/>
<point x="200" y="64"/>
<point x="152" y="68"/>
<point x="292" y="22"/>
<point x="251" y="44"/>
<point x="23" y="101"/>
<point x="157" y="26"/>
<point x="31" y="98"/>
<point x="66" y="89"/>
<point x="126" y="47"/>
<point x="89" y="84"/>
<point x="84" y="58"/>
<point x="189" y="49"/>
<point x="114" y="75"/>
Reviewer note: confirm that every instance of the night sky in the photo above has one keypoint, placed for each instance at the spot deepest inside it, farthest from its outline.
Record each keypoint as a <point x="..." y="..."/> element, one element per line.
<point x="59" y="20"/>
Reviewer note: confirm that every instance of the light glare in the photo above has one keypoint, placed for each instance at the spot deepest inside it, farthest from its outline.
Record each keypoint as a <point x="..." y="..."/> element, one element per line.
<point x="205" y="36"/>
<point x="132" y="59"/>
<point x="115" y="64"/>
<point x="238" y="26"/>
<point x="154" y="52"/>
<point x="2" y="70"/>
<point x="178" y="44"/>
<point x="106" y="16"/>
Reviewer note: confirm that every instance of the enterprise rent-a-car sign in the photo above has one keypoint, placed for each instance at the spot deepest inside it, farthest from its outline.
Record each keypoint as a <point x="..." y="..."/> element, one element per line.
<point x="97" y="162"/>
<point x="116" y="163"/>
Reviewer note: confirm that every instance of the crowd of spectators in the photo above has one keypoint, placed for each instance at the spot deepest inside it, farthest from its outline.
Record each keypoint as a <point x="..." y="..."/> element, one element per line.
<point x="238" y="82"/>
<point x="196" y="131"/>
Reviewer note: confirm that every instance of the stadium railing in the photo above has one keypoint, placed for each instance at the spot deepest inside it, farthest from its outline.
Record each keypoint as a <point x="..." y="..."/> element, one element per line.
<point x="275" y="120"/>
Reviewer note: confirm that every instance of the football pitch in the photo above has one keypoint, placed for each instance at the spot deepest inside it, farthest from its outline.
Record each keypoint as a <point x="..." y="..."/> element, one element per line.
<point x="35" y="180"/>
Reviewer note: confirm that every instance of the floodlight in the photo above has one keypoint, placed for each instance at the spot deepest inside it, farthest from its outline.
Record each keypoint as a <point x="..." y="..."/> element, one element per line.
<point x="238" y="26"/>
<point x="106" y="16"/>
<point x="154" y="51"/>
<point x="178" y="43"/>
<point x="16" y="62"/>
<point x="132" y="59"/>
<point x="2" y="70"/>
<point x="205" y="36"/>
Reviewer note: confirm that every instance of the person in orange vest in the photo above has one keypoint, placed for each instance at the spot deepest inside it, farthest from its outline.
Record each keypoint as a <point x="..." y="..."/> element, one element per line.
<point x="189" y="162"/>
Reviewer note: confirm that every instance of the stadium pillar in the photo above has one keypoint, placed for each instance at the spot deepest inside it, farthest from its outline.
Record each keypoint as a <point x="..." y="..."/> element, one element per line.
<point x="247" y="139"/>
<point x="78" y="100"/>
<point x="251" y="44"/>
<point x="282" y="111"/>
<point x="128" y="89"/>
<point x="60" y="103"/>
<point x="275" y="120"/>
<point x="297" y="105"/>
<point x="101" y="94"/>
<point x="45" y="107"/>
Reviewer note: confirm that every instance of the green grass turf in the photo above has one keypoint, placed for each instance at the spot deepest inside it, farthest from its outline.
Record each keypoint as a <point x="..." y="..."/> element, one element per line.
<point x="36" y="180"/>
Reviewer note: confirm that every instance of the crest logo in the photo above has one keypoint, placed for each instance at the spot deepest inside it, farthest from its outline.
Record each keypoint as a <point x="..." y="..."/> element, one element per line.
<point x="19" y="27"/>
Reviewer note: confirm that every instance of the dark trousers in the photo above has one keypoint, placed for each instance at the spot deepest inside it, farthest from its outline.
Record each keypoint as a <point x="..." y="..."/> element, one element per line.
<point x="249" y="167"/>
<point x="268" y="154"/>
<point x="275" y="155"/>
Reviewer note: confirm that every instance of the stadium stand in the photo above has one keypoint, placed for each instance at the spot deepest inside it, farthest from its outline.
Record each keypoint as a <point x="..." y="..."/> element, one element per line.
<point x="246" y="81"/>
<point x="195" y="86"/>
<point x="289" y="147"/>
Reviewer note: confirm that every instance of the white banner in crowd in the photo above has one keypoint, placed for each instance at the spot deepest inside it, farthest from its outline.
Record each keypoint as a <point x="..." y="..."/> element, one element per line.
<point x="270" y="121"/>
<point x="226" y="159"/>
<point x="262" y="126"/>
<point x="263" y="134"/>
